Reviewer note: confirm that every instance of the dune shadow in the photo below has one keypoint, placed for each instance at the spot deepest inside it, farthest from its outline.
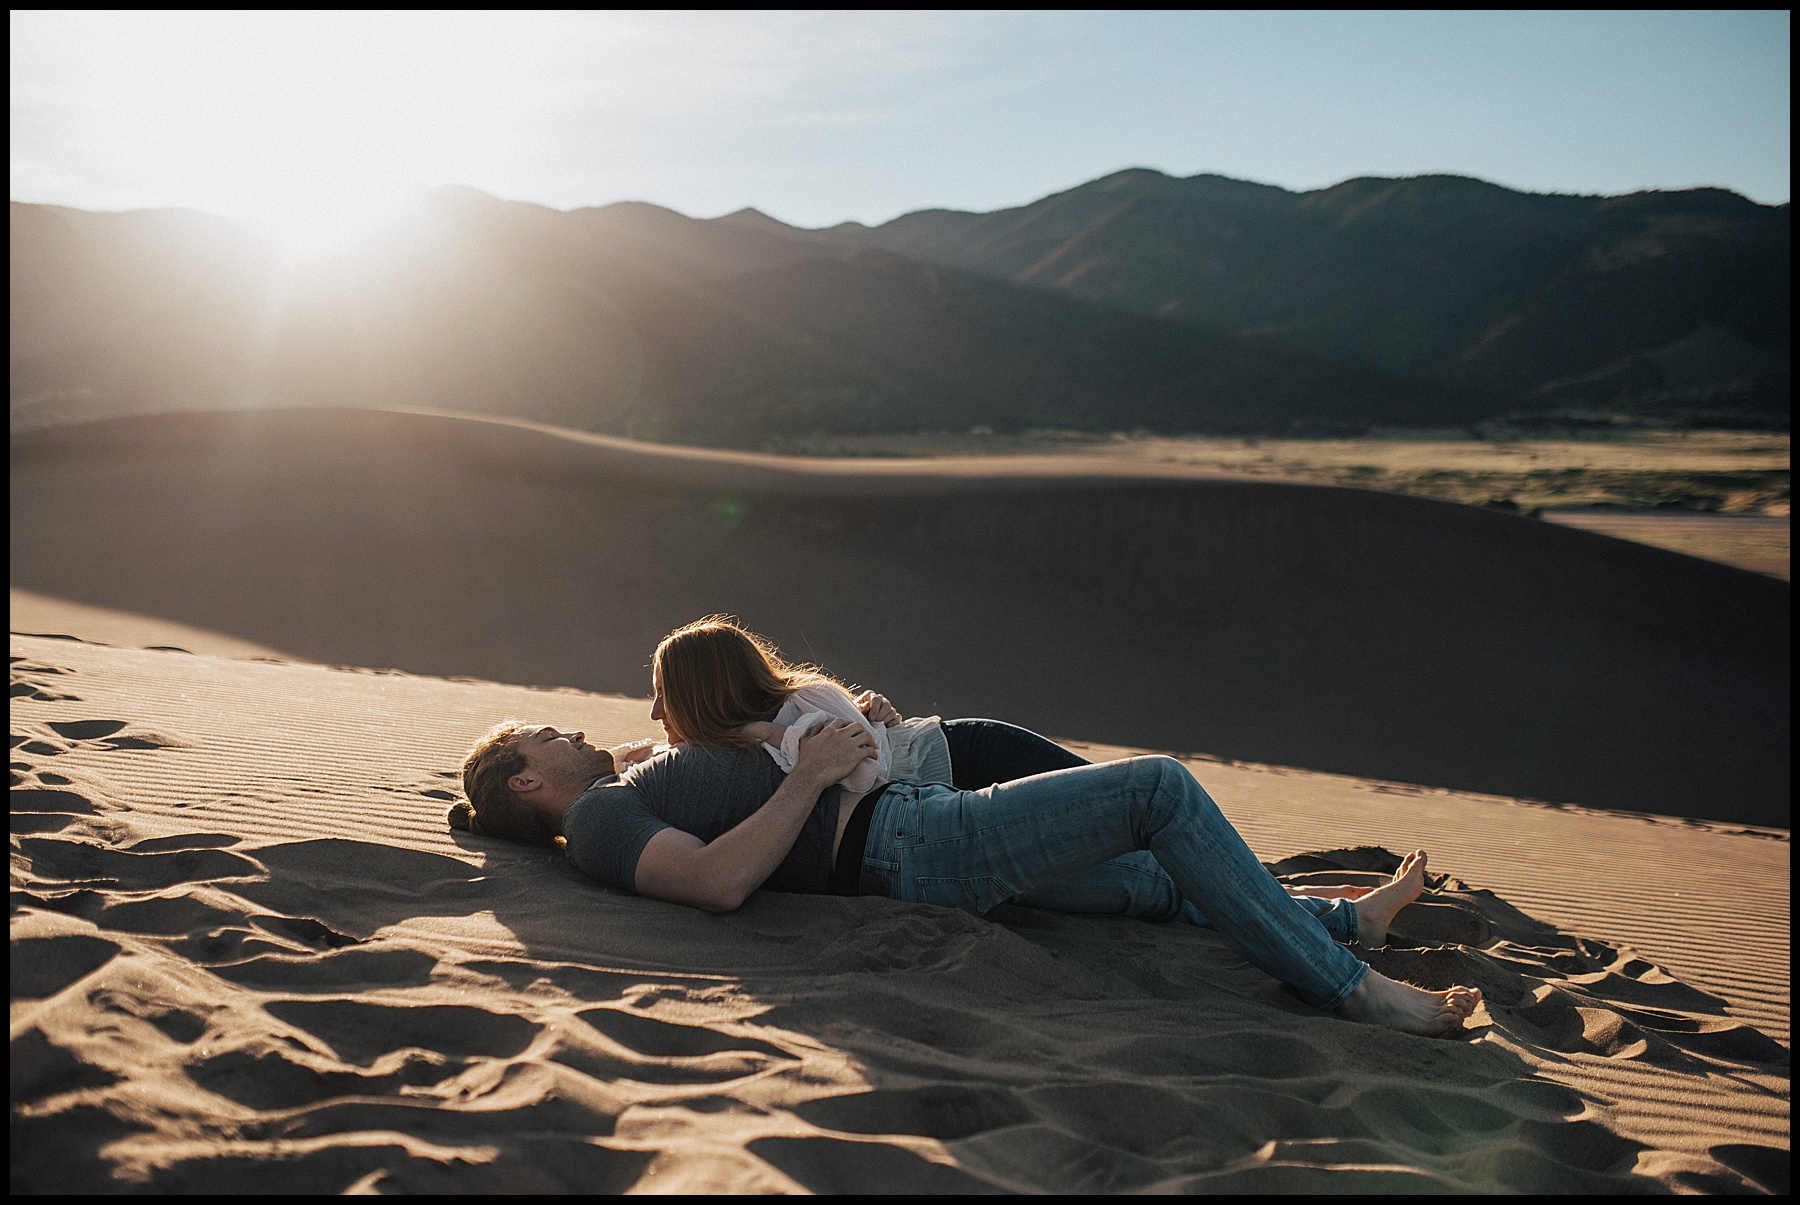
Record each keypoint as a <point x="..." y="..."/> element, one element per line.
<point x="1337" y="629"/>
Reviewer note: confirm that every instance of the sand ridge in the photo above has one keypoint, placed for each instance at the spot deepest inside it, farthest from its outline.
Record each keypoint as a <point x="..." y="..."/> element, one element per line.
<point x="249" y="956"/>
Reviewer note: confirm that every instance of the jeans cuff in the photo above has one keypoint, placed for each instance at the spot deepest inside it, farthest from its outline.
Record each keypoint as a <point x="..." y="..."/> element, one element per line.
<point x="1336" y="1001"/>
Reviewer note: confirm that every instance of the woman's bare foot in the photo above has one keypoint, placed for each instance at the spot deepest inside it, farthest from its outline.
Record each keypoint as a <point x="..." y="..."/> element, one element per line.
<point x="1376" y="910"/>
<point x="1379" y="1000"/>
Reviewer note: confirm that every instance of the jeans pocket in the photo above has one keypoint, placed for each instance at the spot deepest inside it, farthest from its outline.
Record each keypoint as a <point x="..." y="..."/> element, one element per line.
<point x="975" y="895"/>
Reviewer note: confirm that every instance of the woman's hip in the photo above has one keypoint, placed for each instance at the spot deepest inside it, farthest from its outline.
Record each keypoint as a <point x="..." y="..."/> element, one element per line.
<point x="973" y="849"/>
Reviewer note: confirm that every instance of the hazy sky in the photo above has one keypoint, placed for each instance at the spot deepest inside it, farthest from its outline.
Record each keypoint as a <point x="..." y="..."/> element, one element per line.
<point x="316" y="121"/>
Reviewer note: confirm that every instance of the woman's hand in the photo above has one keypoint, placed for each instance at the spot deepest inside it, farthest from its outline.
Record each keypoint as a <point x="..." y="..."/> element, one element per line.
<point x="763" y="730"/>
<point x="876" y="709"/>
<point x="628" y="755"/>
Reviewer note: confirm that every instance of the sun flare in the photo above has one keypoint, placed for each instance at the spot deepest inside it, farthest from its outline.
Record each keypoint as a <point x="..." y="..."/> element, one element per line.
<point x="316" y="223"/>
<point x="314" y="126"/>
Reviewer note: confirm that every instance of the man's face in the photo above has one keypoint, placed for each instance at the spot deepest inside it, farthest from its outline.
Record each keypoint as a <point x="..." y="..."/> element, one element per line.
<point x="563" y="758"/>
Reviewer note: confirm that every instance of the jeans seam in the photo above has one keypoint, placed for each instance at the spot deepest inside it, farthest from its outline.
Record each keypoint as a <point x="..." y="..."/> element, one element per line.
<point x="968" y="881"/>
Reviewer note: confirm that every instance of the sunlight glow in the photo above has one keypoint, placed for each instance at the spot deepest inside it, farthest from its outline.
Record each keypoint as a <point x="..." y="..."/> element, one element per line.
<point x="317" y="124"/>
<point x="313" y="125"/>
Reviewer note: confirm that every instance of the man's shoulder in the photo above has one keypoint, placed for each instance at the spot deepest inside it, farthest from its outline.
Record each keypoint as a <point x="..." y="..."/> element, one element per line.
<point x="686" y="764"/>
<point x="604" y="791"/>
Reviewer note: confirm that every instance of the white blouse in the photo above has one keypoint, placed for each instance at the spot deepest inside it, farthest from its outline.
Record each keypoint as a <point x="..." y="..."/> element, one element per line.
<point x="910" y="751"/>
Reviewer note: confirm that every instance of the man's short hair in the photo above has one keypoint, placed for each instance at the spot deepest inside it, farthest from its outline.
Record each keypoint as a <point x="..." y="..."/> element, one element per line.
<point x="492" y="810"/>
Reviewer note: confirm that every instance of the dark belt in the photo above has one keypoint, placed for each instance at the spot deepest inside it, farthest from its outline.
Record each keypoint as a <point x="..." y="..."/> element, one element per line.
<point x="847" y="877"/>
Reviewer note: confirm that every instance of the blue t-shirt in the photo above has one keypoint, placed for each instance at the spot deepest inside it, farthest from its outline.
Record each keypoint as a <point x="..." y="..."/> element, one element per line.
<point x="700" y="790"/>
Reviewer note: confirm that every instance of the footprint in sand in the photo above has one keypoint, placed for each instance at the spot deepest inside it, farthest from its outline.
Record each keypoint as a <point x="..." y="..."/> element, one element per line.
<point x="1421" y="1116"/>
<point x="946" y="1112"/>
<point x="836" y="1165"/>
<point x="266" y="1076"/>
<point x="583" y="983"/>
<point x="361" y="1032"/>
<point x="665" y="1039"/>
<point x="168" y="915"/>
<point x="341" y="971"/>
<point x="39" y="694"/>
<point x="651" y="1051"/>
<point x="176" y="1023"/>
<point x="23" y="773"/>
<point x="110" y="734"/>
<point x="1594" y="1013"/>
<point x="46" y="810"/>
<point x="98" y="866"/>
<point x="183" y="841"/>
<point x="305" y="930"/>
<point x="1767" y="1167"/>
<point x="28" y="683"/>
<point x="98" y="734"/>
<point x="38" y="1068"/>
<point x="427" y="793"/>
<point x="40" y="967"/>
<point x="26" y="743"/>
<point x="86" y="730"/>
<point x="1622" y="1006"/>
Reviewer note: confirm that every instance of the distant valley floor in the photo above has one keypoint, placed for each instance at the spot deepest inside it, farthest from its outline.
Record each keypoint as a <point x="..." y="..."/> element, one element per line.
<point x="1719" y="495"/>
<point x="1758" y="543"/>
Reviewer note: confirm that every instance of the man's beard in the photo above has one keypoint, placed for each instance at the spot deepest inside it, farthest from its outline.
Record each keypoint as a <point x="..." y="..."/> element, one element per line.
<point x="602" y="763"/>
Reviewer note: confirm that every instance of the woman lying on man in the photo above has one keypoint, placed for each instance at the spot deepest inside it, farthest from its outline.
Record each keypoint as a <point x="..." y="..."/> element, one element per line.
<point x="773" y="777"/>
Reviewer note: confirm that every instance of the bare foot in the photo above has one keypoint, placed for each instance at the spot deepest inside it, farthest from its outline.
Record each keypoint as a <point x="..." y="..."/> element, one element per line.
<point x="1379" y="1000"/>
<point x="1376" y="910"/>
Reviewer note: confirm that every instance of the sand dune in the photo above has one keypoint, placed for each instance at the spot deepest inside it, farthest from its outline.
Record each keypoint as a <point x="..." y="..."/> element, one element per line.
<point x="1339" y="629"/>
<point x="1756" y="542"/>
<point x="249" y="956"/>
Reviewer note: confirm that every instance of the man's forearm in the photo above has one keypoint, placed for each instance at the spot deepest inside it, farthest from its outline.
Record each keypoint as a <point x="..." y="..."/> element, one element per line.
<point x="740" y="860"/>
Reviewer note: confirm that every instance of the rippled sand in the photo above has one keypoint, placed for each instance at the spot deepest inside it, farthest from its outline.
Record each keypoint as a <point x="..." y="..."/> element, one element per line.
<point x="248" y="956"/>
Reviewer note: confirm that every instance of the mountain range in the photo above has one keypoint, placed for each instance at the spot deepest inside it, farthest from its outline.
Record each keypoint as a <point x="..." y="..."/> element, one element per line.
<point x="1134" y="301"/>
<point x="1535" y="298"/>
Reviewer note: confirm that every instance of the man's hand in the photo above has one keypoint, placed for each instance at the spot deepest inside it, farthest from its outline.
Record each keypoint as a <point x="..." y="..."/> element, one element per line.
<point x="831" y="752"/>
<point x="877" y="708"/>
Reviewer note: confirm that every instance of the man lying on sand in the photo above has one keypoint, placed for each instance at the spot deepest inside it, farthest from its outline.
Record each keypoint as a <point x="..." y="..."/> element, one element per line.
<point x="712" y="817"/>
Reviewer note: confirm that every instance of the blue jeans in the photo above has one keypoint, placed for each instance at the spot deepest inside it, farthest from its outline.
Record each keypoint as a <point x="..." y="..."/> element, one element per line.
<point x="1138" y="837"/>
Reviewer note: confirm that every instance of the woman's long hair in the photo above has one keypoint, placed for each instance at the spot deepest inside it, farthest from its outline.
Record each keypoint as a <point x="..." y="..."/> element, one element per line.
<point x="717" y="677"/>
